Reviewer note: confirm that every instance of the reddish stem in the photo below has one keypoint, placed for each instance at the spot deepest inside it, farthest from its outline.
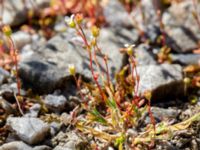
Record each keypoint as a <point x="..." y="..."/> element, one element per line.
<point x="82" y="34"/>
<point x="95" y="79"/>
<point x="106" y="64"/>
<point x="79" y="89"/>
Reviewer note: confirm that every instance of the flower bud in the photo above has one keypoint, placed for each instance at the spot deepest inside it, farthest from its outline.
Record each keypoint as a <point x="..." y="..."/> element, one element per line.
<point x="187" y="80"/>
<point x="7" y="30"/>
<point x="79" y="18"/>
<point x="72" y="24"/>
<point x="70" y="21"/>
<point x="148" y="95"/>
<point x="129" y="50"/>
<point x="95" y="31"/>
<point x="72" y="69"/>
<point x="93" y="42"/>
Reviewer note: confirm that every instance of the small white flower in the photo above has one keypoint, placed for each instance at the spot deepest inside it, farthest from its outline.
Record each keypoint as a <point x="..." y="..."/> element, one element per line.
<point x="70" y="21"/>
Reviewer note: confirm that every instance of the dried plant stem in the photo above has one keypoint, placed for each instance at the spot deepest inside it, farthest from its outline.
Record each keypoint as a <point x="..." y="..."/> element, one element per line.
<point x="18" y="105"/>
<point x="136" y="78"/>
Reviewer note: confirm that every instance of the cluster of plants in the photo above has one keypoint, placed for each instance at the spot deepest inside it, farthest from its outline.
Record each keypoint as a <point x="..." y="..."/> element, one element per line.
<point x="108" y="111"/>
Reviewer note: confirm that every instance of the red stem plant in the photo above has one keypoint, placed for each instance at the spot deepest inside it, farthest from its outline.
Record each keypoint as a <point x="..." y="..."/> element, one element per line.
<point x="13" y="53"/>
<point x="121" y="112"/>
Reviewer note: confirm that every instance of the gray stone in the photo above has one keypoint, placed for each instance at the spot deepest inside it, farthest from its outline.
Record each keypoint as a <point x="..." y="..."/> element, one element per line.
<point x="54" y="128"/>
<point x="30" y="130"/>
<point x="70" y="141"/>
<point x="149" y="13"/>
<point x="186" y="59"/>
<point x="8" y="90"/>
<point x="46" y="68"/>
<point x="19" y="145"/>
<point x="161" y="80"/>
<point x="21" y="38"/>
<point x="34" y="111"/>
<point x="144" y="56"/>
<point x="152" y="33"/>
<point x="116" y="15"/>
<point x="181" y="26"/>
<point x="8" y="108"/>
<point x="42" y="147"/>
<point x="55" y="103"/>
<point x="3" y="75"/>
<point x="16" y="145"/>
<point x="16" y="14"/>
<point x="63" y="148"/>
<point x="161" y="114"/>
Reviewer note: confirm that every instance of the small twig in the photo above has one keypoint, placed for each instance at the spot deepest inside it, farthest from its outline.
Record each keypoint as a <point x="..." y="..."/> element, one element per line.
<point x="18" y="104"/>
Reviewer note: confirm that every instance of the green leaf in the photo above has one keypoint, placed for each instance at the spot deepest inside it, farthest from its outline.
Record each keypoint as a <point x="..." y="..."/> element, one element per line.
<point x="111" y="103"/>
<point x="98" y="117"/>
<point x="119" y="142"/>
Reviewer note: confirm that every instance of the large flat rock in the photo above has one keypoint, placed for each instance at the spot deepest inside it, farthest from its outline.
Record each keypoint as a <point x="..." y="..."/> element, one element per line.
<point x="181" y="26"/>
<point x="163" y="80"/>
<point x="46" y="68"/>
<point x="30" y="130"/>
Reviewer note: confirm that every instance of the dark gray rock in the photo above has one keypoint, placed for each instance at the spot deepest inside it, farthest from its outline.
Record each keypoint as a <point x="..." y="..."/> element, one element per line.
<point x="16" y="14"/>
<point x="152" y="33"/>
<point x="3" y="75"/>
<point x="161" y="80"/>
<point x="8" y="108"/>
<point x="116" y="15"/>
<point x="165" y="145"/>
<point x="162" y="114"/>
<point x="55" y="103"/>
<point x="8" y="90"/>
<point x="30" y="130"/>
<point x="186" y="59"/>
<point x="144" y="55"/>
<point x="46" y="68"/>
<point x="182" y="27"/>
<point x="21" y="38"/>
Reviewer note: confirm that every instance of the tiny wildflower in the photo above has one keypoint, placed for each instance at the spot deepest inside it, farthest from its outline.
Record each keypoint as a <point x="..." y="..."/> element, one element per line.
<point x="129" y="49"/>
<point x="148" y="95"/>
<point x="93" y="42"/>
<point x="71" y="69"/>
<point x="70" y="21"/>
<point x="95" y="31"/>
<point x="7" y="30"/>
<point x="187" y="80"/>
